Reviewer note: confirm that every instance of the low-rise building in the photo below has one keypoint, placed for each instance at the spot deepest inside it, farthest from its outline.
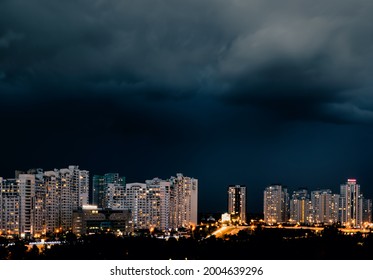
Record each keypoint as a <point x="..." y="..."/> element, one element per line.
<point x="91" y="219"/>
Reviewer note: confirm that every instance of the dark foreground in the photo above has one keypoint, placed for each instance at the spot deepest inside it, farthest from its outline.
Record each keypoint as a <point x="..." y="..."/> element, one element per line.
<point x="265" y="244"/>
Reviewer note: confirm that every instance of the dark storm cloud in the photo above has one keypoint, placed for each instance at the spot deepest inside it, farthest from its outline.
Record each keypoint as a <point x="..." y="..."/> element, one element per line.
<point x="305" y="63"/>
<point x="299" y="59"/>
<point x="241" y="91"/>
<point x="127" y="46"/>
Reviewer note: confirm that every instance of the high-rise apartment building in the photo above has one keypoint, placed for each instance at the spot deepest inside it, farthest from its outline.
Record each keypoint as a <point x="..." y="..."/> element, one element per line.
<point x="276" y="201"/>
<point x="163" y="204"/>
<point x="149" y="204"/>
<point x="324" y="207"/>
<point x="57" y="200"/>
<point x="43" y="201"/>
<point x="39" y="207"/>
<point x="9" y="207"/>
<point x="64" y="181"/>
<point x="26" y="184"/>
<point x="237" y="202"/>
<point x="39" y="202"/>
<point x="138" y="202"/>
<point x="160" y="204"/>
<point x="60" y="192"/>
<point x="183" y="201"/>
<point x="351" y="210"/>
<point x="79" y="186"/>
<point x="300" y="207"/>
<point x="52" y="201"/>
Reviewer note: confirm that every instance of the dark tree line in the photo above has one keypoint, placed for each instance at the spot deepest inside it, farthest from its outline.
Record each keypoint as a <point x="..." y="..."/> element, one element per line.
<point x="265" y="244"/>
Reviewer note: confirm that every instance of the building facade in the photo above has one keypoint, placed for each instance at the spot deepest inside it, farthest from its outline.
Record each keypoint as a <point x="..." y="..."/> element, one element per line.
<point x="276" y="201"/>
<point x="163" y="204"/>
<point x="38" y="202"/>
<point x="160" y="191"/>
<point x="300" y="207"/>
<point x="137" y="203"/>
<point x="9" y="207"/>
<point x="351" y="208"/>
<point x="324" y="207"/>
<point x="79" y="186"/>
<point x="26" y="183"/>
<point x="183" y="201"/>
<point x="90" y="220"/>
<point x="237" y="202"/>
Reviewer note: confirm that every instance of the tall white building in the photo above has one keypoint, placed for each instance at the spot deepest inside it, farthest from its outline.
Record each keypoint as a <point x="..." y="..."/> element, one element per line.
<point x="300" y="207"/>
<point x="79" y="186"/>
<point x="163" y="204"/>
<point x="48" y="199"/>
<point x="161" y="196"/>
<point x="149" y="204"/>
<point x="237" y="202"/>
<point x="9" y="207"/>
<point x="26" y="183"/>
<point x="275" y="204"/>
<point x="59" y="192"/>
<point x="324" y="207"/>
<point x="39" y="207"/>
<point x="58" y="200"/>
<point x="66" y="198"/>
<point x="351" y="209"/>
<point x="52" y="201"/>
<point x="137" y="201"/>
<point x="184" y="201"/>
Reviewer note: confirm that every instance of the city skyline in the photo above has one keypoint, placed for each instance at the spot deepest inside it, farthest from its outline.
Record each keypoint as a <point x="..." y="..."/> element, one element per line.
<point x="38" y="203"/>
<point x="348" y="208"/>
<point x="94" y="195"/>
<point x="234" y="92"/>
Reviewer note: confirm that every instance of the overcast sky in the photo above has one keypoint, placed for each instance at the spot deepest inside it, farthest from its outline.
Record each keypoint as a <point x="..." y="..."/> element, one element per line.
<point x="229" y="92"/>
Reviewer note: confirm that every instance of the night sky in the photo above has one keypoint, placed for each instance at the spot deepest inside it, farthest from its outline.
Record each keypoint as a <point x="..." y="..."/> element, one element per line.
<point x="247" y="92"/>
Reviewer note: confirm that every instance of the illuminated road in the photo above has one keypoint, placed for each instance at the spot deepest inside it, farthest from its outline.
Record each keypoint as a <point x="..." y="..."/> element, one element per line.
<point x="235" y="229"/>
<point x="231" y="230"/>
